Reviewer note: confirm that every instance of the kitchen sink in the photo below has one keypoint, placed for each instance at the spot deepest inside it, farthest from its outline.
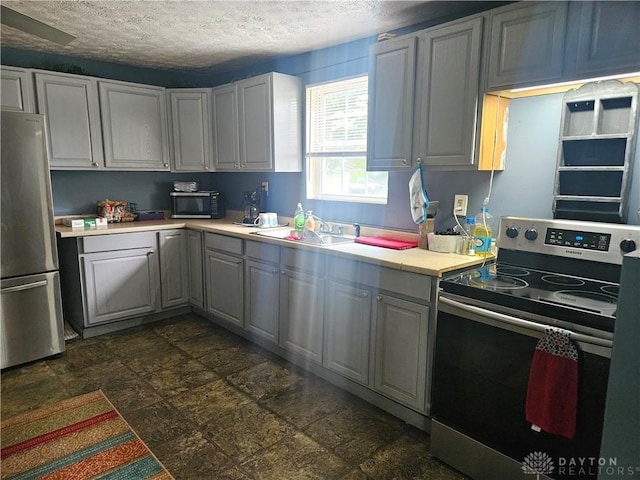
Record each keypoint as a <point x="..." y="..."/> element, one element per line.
<point x="321" y="239"/>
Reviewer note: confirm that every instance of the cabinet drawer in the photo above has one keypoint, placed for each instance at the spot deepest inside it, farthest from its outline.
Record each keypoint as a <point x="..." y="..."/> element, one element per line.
<point x="302" y="260"/>
<point x="404" y="283"/>
<point x="223" y="243"/>
<point x="120" y="241"/>
<point x="262" y="251"/>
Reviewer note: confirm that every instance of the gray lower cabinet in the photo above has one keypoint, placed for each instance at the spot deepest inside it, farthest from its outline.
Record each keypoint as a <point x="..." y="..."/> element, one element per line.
<point x="190" y="131"/>
<point x="174" y="267"/>
<point x="526" y="44"/>
<point x="134" y="126"/>
<point x="16" y="89"/>
<point x="347" y="331"/>
<point x="447" y="92"/>
<point x="302" y="290"/>
<point x="262" y="289"/>
<point x="196" y="265"/>
<point x="262" y="306"/>
<point x="401" y="350"/>
<point x="72" y="111"/>
<point x="119" y="284"/>
<point x="224" y="278"/>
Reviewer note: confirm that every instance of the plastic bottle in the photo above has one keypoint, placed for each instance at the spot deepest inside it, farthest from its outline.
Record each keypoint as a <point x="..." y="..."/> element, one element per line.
<point x="298" y="219"/>
<point x="468" y="241"/>
<point x="310" y="222"/>
<point x="483" y="233"/>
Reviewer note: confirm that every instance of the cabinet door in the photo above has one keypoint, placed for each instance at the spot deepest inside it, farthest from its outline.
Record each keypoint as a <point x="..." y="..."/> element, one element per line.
<point x="401" y="350"/>
<point x="196" y="280"/>
<point x="224" y="286"/>
<point x="119" y="284"/>
<point x="347" y="331"/>
<point x="527" y="44"/>
<point x="16" y="90"/>
<point x="263" y="292"/>
<point x="391" y="102"/>
<point x="73" y="120"/>
<point x="134" y="126"/>
<point x="174" y="268"/>
<point x="608" y="38"/>
<point x="301" y="313"/>
<point x="448" y="88"/>
<point x="224" y="118"/>
<point x="190" y="130"/>
<point x="255" y="123"/>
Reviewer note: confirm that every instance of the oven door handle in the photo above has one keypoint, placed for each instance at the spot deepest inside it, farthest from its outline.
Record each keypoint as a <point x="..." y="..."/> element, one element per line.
<point x="520" y="323"/>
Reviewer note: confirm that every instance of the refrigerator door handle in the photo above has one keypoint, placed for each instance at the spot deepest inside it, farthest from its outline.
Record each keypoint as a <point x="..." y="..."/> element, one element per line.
<point x="27" y="286"/>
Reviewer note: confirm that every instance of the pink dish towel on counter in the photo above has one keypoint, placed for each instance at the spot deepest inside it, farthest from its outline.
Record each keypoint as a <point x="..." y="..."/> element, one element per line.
<point x="552" y="394"/>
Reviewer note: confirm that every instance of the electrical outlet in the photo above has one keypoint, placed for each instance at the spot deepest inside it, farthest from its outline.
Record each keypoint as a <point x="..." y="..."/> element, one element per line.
<point x="460" y="203"/>
<point x="265" y="187"/>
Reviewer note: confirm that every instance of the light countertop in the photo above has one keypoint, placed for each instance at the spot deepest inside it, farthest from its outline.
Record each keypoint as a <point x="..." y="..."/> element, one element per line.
<point x="415" y="260"/>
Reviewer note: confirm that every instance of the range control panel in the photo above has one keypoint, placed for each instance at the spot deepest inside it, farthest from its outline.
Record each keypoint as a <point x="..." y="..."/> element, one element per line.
<point x="594" y="241"/>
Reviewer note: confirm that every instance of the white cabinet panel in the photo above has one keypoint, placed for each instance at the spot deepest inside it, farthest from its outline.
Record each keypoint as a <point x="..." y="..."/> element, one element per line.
<point x="16" y="89"/>
<point x="134" y="125"/>
<point x="190" y="130"/>
<point x="72" y="111"/>
<point x="174" y="267"/>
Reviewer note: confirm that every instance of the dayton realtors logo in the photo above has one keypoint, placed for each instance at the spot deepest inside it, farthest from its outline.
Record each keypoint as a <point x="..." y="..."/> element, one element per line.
<point x="538" y="462"/>
<point x="542" y="463"/>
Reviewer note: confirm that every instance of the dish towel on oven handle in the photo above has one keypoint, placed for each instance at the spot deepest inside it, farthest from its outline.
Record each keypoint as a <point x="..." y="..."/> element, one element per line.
<point x="552" y="394"/>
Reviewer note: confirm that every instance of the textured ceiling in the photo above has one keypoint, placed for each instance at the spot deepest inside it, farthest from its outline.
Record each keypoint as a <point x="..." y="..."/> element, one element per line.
<point x="212" y="34"/>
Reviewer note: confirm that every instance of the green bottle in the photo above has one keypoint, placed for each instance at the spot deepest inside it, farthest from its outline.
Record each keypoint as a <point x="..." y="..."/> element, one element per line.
<point x="298" y="219"/>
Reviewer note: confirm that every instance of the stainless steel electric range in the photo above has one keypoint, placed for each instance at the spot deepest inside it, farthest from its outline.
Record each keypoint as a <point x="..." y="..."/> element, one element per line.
<point x="548" y="272"/>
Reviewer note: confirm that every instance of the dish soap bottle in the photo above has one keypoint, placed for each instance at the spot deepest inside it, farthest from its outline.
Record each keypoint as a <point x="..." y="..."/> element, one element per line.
<point x="310" y="223"/>
<point x="298" y="219"/>
<point x="483" y="233"/>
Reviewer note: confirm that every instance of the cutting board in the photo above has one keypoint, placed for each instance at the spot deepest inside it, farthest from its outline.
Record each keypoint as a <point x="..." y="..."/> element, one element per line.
<point x="386" y="242"/>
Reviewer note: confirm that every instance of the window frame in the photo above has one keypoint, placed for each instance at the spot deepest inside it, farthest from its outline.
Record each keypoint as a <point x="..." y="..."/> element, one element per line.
<point x="314" y="159"/>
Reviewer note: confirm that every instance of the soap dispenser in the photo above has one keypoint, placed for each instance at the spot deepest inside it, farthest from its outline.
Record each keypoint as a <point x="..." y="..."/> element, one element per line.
<point x="310" y="222"/>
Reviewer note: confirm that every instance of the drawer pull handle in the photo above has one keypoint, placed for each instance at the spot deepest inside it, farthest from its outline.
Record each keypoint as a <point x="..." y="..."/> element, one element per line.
<point x="26" y="286"/>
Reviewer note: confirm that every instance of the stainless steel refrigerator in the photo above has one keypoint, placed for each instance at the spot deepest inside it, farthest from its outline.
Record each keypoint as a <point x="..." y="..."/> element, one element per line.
<point x="31" y="322"/>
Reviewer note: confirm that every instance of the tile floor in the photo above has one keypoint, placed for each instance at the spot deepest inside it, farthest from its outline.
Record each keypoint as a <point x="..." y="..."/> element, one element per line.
<point x="213" y="406"/>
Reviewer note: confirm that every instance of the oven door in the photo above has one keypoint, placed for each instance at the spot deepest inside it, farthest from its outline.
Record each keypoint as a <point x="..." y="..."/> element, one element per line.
<point x="481" y="373"/>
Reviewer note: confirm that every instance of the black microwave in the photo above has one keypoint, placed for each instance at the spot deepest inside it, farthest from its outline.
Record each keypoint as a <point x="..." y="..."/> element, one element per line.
<point x="198" y="205"/>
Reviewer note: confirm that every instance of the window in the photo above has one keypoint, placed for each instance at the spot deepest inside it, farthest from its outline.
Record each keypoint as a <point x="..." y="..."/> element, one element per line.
<point x="337" y="144"/>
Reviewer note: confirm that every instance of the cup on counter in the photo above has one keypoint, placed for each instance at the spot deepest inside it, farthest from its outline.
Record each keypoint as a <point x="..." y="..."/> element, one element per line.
<point x="262" y="220"/>
<point x="266" y="220"/>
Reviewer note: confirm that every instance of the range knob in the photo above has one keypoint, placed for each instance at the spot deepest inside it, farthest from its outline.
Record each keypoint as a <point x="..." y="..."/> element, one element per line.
<point x="512" y="232"/>
<point x="531" y="234"/>
<point x="627" y="245"/>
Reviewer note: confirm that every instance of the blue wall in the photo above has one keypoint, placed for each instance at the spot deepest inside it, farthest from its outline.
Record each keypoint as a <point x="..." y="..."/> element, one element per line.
<point x="524" y="188"/>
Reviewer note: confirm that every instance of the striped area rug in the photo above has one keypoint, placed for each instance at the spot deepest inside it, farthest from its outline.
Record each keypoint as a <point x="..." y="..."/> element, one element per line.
<point x="79" y="438"/>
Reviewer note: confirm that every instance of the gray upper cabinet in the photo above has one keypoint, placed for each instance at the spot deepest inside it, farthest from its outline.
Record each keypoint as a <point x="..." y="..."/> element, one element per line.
<point x="224" y="125"/>
<point x="448" y="86"/>
<point x="526" y="44"/>
<point x="16" y="89"/>
<point x="70" y="104"/>
<point x="391" y="103"/>
<point x="134" y="126"/>
<point x="608" y="37"/>
<point x="190" y="130"/>
<point x="263" y="115"/>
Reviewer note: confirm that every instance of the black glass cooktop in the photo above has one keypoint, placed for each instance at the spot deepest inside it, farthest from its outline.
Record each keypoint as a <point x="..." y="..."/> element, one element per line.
<point x="564" y="297"/>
